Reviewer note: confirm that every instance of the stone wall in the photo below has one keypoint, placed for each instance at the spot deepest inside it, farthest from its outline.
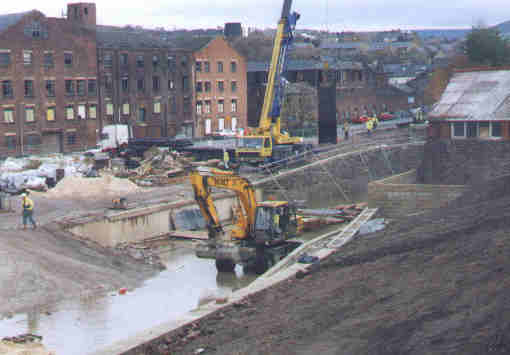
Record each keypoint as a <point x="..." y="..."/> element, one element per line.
<point x="343" y="177"/>
<point x="400" y="195"/>
<point x="466" y="161"/>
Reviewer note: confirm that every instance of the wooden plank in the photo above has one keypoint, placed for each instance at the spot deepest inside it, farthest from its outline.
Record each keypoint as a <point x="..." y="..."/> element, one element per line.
<point x="201" y="235"/>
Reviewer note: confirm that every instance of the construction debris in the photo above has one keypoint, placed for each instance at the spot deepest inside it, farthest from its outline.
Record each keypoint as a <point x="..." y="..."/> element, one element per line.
<point x="314" y="218"/>
<point x="23" y="344"/>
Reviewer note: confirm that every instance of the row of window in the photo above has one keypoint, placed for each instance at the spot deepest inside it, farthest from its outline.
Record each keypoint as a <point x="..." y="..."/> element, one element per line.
<point x="80" y="87"/>
<point x="220" y="85"/>
<point x="205" y="106"/>
<point x="48" y="60"/>
<point x="477" y="129"/>
<point x="71" y="112"/>
<point x="125" y="84"/>
<point x="125" y="108"/>
<point x="11" y="140"/>
<point x="206" y="66"/>
<point x="140" y="61"/>
<point x="221" y="124"/>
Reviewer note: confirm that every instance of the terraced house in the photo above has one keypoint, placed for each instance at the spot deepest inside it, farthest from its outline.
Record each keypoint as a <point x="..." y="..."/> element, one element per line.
<point x="48" y="76"/>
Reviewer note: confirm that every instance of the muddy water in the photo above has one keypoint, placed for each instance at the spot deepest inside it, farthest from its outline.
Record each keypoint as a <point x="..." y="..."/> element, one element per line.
<point x="88" y="324"/>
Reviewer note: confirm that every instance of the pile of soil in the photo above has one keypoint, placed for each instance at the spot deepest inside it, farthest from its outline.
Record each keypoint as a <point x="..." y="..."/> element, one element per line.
<point x="85" y="187"/>
<point x="431" y="284"/>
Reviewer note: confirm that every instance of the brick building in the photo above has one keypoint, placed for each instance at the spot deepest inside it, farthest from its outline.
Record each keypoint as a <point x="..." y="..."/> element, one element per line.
<point x="220" y="88"/>
<point x="48" y="75"/>
<point x="144" y="82"/>
<point x="360" y="89"/>
<point x="474" y="105"/>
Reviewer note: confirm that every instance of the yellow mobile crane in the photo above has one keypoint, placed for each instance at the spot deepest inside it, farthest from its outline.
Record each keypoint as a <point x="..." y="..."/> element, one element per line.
<point x="261" y="232"/>
<point x="268" y="142"/>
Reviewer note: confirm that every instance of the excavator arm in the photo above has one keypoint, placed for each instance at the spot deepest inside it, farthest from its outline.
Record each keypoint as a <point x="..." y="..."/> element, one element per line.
<point x="203" y="179"/>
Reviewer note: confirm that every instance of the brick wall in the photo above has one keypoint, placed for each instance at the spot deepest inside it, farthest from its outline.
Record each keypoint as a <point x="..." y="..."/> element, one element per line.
<point x="399" y="195"/>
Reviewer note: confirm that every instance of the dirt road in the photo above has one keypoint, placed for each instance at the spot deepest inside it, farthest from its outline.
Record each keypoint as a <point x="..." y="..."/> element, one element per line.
<point x="431" y="284"/>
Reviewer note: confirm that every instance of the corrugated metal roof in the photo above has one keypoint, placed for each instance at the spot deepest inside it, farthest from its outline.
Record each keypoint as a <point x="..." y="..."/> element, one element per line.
<point x="10" y="19"/>
<point x="475" y="96"/>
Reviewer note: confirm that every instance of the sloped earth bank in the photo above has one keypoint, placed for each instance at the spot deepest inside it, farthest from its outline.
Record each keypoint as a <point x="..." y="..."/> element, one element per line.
<point x="432" y="284"/>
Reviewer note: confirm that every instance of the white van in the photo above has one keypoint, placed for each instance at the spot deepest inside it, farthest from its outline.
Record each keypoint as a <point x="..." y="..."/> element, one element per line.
<point x="113" y="137"/>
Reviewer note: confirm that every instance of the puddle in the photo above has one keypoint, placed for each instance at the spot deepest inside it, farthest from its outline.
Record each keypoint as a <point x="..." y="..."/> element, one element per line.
<point x="86" y="325"/>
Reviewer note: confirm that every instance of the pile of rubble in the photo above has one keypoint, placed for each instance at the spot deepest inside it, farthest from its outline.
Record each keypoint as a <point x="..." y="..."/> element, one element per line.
<point x="23" y="344"/>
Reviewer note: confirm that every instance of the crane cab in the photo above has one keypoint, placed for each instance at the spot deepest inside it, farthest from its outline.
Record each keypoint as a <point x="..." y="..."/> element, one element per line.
<point x="254" y="148"/>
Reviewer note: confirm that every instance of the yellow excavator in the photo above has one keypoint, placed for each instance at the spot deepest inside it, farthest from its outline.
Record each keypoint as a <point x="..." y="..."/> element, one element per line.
<point x="268" y="142"/>
<point x="260" y="233"/>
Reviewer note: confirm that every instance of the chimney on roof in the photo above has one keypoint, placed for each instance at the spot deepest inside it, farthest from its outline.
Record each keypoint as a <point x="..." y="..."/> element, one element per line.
<point x="82" y="13"/>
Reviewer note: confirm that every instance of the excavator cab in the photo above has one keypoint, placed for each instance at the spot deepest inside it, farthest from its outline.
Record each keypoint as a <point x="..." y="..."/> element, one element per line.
<point x="275" y="221"/>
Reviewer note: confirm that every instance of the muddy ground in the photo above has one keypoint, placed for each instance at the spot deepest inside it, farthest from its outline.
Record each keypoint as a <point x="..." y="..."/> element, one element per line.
<point x="43" y="266"/>
<point x="431" y="284"/>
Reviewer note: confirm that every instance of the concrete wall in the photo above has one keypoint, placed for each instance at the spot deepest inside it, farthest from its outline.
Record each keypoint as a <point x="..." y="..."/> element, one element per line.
<point x="400" y="195"/>
<point x="344" y="177"/>
<point x="138" y="224"/>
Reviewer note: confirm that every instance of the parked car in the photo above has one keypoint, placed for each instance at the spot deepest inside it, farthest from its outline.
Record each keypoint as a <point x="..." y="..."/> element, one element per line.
<point x="360" y="119"/>
<point x="386" y="116"/>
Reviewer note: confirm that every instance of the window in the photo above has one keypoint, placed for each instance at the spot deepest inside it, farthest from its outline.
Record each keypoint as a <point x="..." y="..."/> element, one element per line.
<point x="108" y="84"/>
<point x="171" y="63"/>
<point x="220" y="67"/>
<point x="186" y="105"/>
<point x="198" y="87"/>
<point x="221" y="106"/>
<point x="484" y="129"/>
<point x="82" y="112"/>
<point x="50" y="114"/>
<point x="141" y="114"/>
<point x="10" y="142"/>
<point x="5" y="59"/>
<point x="29" y="88"/>
<point x="458" y="129"/>
<point x="173" y="104"/>
<point x="155" y="83"/>
<point x="125" y="108"/>
<point x="155" y="61"/>
<point x="27" y="58"/>
<point x="207" y="106"/>
<point x="7" y="89"/>
<point x="198" y="67"/>
<point x="233" y="86"/>
<point x="207" y="86"/>
<point x="92" y="87"/>
<point x="497" y="130"/>
<point x="221" y="123"/>
<point x="139" y="61"/>
<point x="68" y="59"/>
<point x="234" y="105"/>
<point x="29" y="114"/>
<point x="171" y="84"/>
<point x="80" y="87"/>
<point x="92" y="111"/>
<point x="109" y="109"/>
<point x="471" y="129"/>
<point x="50" y="88"/>
<point x="107" y="60"/>
<point x="69" y="87"/>
<point x="71" y="138"/>
<point x="124" y="84"/>
<point x="69" y="113"/>
<point x="124" y="59"/>
<point x="233" y="67"/>
<point x="199" y="107"/>
<point x="185" y="83"/>
<point x="157" y="107"/>
<point x="8" y="115"/>
<point x="33" y="139"/>
<point x="140" y="85"/>
<point x="207" y="67"/>
<point x="221" y="86"/>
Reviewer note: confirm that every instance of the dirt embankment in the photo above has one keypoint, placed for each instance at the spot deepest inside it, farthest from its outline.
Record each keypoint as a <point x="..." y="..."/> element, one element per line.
<point x="431" y="284"/>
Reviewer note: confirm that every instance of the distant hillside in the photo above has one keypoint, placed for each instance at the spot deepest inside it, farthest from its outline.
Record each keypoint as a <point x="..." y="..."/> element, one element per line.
<point x="443" y="33"/>
<point x="503" y="27"/>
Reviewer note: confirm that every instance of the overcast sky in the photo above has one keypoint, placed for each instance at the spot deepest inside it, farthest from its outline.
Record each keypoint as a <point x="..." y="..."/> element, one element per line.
<point x="332" y="15"/>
